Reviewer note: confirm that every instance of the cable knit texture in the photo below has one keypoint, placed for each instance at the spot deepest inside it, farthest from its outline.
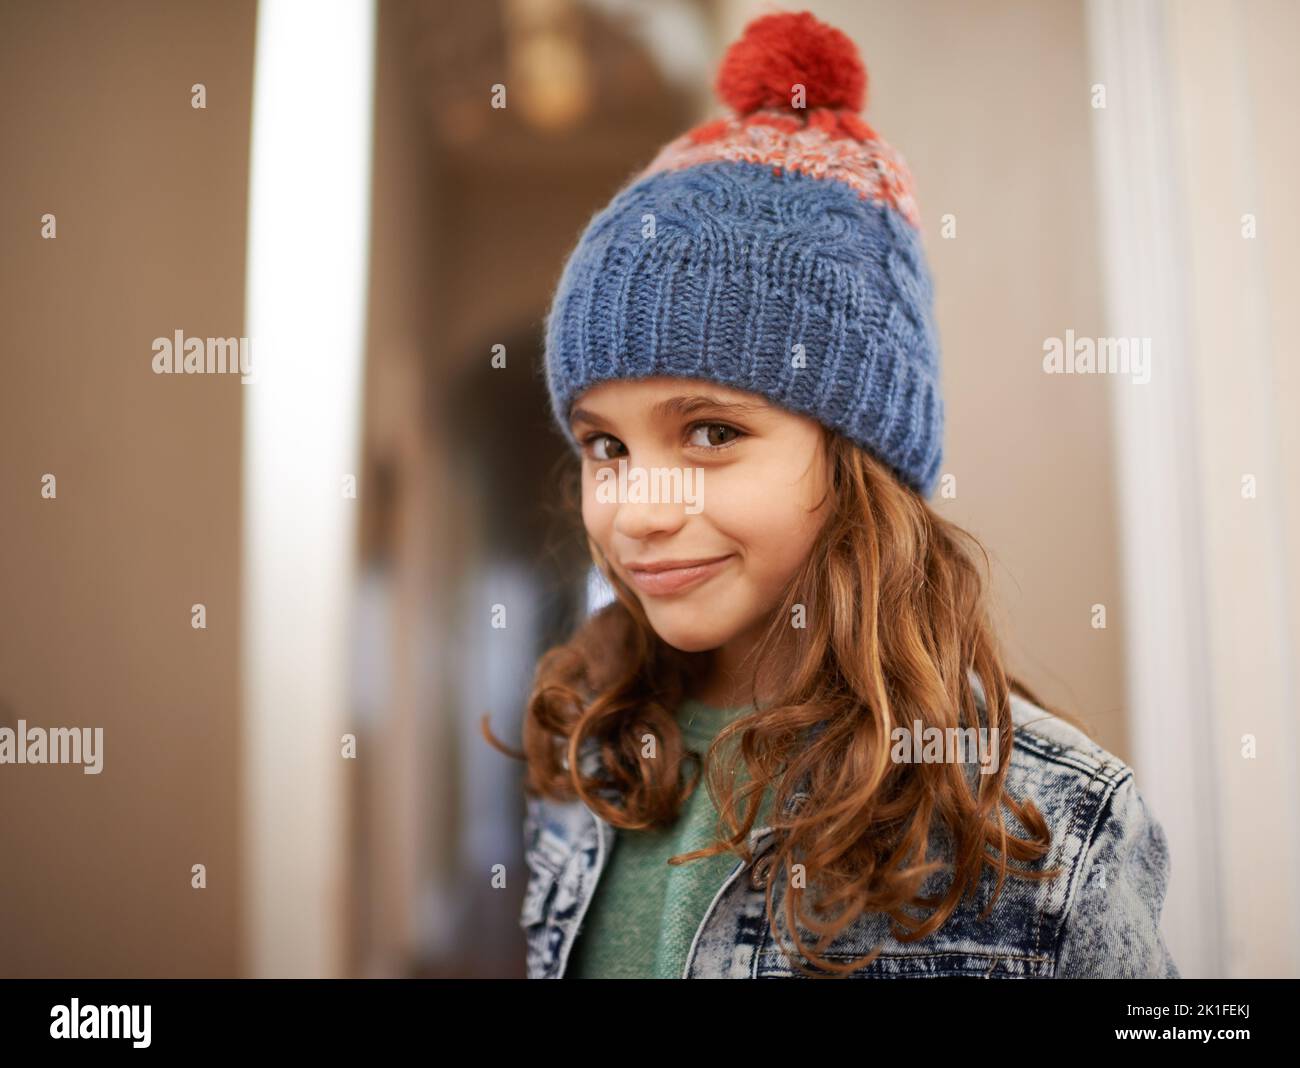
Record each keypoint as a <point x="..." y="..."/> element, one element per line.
<point x="774" y="252"/>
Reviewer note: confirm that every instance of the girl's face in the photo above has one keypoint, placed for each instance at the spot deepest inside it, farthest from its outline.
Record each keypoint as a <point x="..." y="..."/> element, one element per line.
<point x="719" y="502"/>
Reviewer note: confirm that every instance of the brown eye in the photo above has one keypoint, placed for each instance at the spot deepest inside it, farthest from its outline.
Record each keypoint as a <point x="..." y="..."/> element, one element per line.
<point x="713" y="435"/>
<point x="602" y="445"/>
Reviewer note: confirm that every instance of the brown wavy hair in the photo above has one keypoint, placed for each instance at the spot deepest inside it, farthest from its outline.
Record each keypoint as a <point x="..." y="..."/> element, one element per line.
<point x="895" y="616"/>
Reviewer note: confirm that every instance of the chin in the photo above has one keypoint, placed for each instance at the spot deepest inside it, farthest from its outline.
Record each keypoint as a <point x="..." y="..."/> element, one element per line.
<point x="689" y="637"/>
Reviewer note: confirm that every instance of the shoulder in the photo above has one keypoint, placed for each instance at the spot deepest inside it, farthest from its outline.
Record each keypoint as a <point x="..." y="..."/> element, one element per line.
<point x="1096" y="911"/>
<point x="1069" y="777"/>
<point x="1080" y="787"/>
<point x="1104" y="911"/>
<point x="1056" y="765"/>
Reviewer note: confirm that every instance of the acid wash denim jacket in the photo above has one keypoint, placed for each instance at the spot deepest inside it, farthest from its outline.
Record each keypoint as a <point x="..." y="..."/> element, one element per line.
<point x="1099" y="918"/>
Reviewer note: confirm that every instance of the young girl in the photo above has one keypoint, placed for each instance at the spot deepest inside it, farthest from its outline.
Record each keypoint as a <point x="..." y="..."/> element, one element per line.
<point x="789" y="745"/>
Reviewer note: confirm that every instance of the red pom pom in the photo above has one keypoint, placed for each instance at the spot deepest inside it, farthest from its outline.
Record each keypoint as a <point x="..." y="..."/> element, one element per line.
<point x="777" y="52"/>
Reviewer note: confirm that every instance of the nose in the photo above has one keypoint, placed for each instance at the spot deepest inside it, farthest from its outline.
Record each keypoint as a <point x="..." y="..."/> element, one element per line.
<point x="639" y="519"/>
<point x="647" y="497"/>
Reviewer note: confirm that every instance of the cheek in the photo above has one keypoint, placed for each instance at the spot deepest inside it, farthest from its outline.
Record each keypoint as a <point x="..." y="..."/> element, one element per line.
<point x="596" y="517"/>
<point x="785" y="547"/>
<point x="774" y="530"/>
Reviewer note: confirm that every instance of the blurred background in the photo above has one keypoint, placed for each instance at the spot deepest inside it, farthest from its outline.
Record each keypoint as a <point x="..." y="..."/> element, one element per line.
<point x="294" y="781"/>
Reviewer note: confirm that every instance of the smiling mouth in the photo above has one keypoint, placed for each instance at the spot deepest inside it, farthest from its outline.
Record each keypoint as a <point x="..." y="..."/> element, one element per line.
<point x="674" y="576"/>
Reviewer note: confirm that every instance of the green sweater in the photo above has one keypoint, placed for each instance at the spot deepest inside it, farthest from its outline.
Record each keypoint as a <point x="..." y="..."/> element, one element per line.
<point x="644" y="913"/>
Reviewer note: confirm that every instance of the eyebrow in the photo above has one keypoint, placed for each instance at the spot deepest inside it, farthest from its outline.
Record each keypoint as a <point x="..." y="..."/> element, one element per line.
<point x="687" y="404"/>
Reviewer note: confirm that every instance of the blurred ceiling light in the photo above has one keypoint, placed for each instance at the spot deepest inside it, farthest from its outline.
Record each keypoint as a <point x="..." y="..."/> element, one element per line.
<point x="676" y="34"/>
<point x="549" y="78"/>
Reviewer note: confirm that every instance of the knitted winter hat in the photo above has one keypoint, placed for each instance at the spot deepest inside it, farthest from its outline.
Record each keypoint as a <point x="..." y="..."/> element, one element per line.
<point x="775" y="251"/>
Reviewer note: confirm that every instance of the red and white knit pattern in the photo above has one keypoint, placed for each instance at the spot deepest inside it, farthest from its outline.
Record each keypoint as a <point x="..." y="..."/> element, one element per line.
<point x="837" y="145"/>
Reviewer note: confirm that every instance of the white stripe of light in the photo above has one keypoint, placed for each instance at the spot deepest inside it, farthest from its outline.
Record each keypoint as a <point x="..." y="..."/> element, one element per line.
<point x="306" y="286"/>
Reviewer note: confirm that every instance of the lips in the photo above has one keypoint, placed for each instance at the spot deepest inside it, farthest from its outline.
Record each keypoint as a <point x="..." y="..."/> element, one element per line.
<point x="661" y="577"/>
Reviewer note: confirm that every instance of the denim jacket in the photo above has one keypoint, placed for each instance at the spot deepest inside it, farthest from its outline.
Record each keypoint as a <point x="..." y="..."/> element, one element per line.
<point x="1099" y="918"/>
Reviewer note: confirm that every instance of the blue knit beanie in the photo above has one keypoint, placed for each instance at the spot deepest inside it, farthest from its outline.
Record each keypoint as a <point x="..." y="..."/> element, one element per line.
<point x="776" y="251"/>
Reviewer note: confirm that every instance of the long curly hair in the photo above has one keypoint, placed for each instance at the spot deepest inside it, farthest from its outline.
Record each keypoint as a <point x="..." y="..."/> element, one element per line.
<point x="894" y="617"/>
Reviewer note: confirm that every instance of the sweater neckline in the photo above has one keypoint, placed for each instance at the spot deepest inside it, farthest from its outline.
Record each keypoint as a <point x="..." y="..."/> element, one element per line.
<point x="702" y="721"/>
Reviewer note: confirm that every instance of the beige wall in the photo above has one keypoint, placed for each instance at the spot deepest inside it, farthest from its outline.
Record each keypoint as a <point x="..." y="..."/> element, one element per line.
<point x="96" y="586"/>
